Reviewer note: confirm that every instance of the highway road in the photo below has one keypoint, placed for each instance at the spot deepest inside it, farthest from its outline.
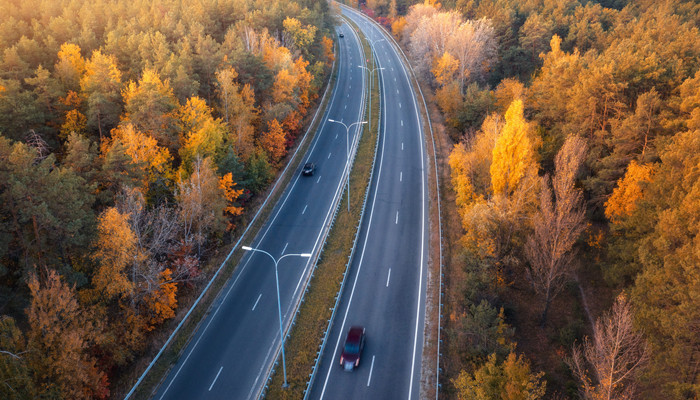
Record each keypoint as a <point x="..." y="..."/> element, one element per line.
<point x="229" y="356"/>
<point x="386" y="287"/>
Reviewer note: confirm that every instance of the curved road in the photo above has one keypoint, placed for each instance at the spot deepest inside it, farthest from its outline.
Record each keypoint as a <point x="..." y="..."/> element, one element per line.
<point x="236" y="343"/>
<point x="387" y="283"/>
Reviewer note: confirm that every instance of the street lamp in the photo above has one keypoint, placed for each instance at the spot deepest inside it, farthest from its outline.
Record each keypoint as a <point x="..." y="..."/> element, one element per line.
<point x="371" y="81"/>
<point x="279" y="306"/>
<point x="347" y="149"/>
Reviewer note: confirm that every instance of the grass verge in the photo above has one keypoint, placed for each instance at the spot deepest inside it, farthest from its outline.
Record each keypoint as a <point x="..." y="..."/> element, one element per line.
<point x="174" y="350"/>
<point x="306" y="335"/>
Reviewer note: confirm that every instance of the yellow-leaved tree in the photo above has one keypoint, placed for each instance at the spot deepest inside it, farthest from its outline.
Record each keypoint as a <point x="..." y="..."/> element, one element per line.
<point x="201" y="134"/>
<point x="153" y="160"/>
<point x="150" y="105"/>
<point x="514" y="157"/>
<point x="444" y="68"/>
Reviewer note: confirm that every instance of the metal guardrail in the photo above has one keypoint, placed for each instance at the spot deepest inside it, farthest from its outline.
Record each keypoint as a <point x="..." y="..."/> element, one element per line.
<point x="337" y="205"/>
<point x="280" y="178"/>
<point x="326" y="334"/>
<point x="437" y="184"/>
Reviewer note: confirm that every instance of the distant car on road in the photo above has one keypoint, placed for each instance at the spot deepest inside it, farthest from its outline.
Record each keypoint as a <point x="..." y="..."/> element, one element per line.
<point x="341" y="35"/>
<point x="354" y="343"/>
<point x="309" y="169"/>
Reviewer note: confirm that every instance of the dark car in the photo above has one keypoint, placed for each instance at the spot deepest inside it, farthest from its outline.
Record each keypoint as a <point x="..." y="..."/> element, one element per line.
<point x="341" y="35"/>
<point x="309" y="169"/>
<point x="354" y="343"/>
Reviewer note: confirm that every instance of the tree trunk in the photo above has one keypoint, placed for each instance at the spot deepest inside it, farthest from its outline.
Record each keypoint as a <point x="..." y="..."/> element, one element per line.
<point x="547" y="301"/>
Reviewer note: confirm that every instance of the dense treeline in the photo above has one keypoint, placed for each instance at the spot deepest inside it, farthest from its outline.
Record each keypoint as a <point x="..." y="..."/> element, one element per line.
<point x="577" y="156"/>
<point x="131" y="136"/>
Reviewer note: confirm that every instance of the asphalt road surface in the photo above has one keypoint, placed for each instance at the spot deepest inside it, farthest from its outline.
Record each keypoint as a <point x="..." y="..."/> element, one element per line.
<point x="386" y="288"/>
<point x="229" y="356"/>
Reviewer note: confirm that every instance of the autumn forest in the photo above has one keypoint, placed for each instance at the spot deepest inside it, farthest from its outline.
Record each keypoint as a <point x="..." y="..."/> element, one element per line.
<point x="135" y="135"/>
<point x="573" y="156"/>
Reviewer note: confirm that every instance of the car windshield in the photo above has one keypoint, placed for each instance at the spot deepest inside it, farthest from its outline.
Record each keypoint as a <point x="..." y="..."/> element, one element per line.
<point x="352" y="348"/>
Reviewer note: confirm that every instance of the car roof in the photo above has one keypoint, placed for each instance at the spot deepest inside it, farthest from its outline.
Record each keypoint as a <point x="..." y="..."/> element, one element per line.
<point x="355" y="333"/>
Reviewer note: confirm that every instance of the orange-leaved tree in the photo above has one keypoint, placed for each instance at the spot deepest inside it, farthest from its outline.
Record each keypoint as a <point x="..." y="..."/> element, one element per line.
<point x="232" y="194"/>
<point x="625" y="196"/>
<point x="60" y="337"/>
<point x="115" y="252"/>
<point x="273" y="141"/>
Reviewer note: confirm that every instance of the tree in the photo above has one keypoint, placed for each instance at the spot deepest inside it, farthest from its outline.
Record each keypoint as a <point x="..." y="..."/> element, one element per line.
<point x="663" y="232"/>
<point x="201" y="204"/>
<point x="557" y="225"/>
<point x="444" y="69"/>
<point x="115" y="251"/>
<point x="70" y="66"/>
<point x="328" y="55"/>
<point x="227" y="89"/>
<point x="302" y="36"/>
<point x="15" y="374"/>
<point x="150" y="107"/>
<point x="258" y="171"/>
<point x="101" y="85"/>
<point x="45" y="208"/>
<point x="201" y="134"/>
<point x="473" y="44"/>
<point x="117" y="170"/>
<point x="228" y="185"/>
<point x="238" y="109"/>
<point x="510" y="380"/>
<point x="153" y="160"/>
<point x="535" y="34"/>
<point x="623" y="201"/>
<point x="470" y="162"/>
<point x="60" y="336"/>
<point x="244" y="116"/>
<point x="273" y="141"/>
<point x="514" y="156"/>
<point x="616" y="356"/>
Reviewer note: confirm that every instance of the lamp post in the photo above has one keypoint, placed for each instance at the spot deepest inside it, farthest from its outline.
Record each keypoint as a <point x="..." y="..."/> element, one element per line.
<point x="279" y="306"/>
<point x="371" y="76"/>
<point x="347" y="149"/>
<point x="371" y="81"/>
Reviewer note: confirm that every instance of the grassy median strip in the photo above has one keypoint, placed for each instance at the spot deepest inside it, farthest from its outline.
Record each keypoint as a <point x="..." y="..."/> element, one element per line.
<point x="174" y="350"/>
<point x="306" y="335"/>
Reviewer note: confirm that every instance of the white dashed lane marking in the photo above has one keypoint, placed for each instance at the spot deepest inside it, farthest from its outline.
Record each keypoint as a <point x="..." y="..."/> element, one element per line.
<point x="256" y="301"/>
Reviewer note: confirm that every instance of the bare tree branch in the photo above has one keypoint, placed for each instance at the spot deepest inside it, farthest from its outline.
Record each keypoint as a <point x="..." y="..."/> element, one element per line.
<point x="557" y="226"/>
<point x="616" y="355"/>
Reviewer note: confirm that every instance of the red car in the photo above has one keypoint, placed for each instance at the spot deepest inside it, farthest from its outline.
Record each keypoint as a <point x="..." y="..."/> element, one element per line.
<point x="354" y="343"/>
